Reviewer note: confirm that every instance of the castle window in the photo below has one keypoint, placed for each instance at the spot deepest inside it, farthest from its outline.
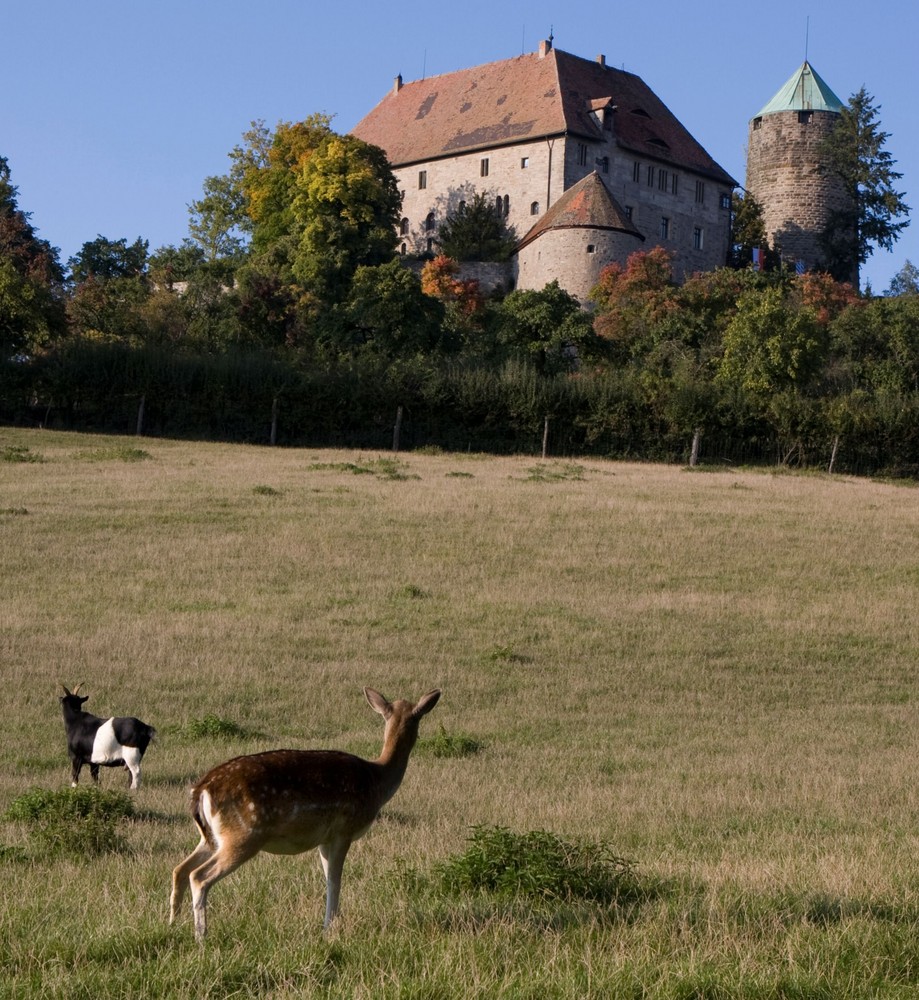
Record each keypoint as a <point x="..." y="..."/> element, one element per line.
<point x="591" y="248"/>
<point x="403" y="227"/>
<point x="483" y="167"/>
<point x="725" y="201"/>
<point x="650" y="176"/>
<point x="462" y="207"/>
<point x="663" y="179"/>
<point x="757" y="123"/>
<point x="665" y="228"/>
<point x="674" y="183"/>
<point x="628" y="212"/>
<point x="430" y="245"/>
<point x="402" y="249"/>
<point x="700" y="192"/>
<point x="422" y="179"/>
<point x="636" y="172"/>
<point x="804" y="116"/>
<point x="582" y="155"/>
<point x="697" y="238"/>
<point x="429" y="223"/>
<point x="534" y="208"/>
<point x="524" y="162"/>
<point x="507" y="204"/>
<point x="603" y="163"/>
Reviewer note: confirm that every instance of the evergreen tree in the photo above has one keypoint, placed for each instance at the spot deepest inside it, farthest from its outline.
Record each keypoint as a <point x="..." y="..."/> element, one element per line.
<point x="477" y="231"/>
<point x="876" y="212"/>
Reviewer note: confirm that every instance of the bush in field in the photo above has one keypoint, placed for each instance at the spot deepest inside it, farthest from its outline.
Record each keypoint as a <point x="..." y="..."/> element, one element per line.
<point x="541" y="865"/>
<point x="445" y="744"/>
<point x="77" y="821"/>
<point x="212" y="727"/>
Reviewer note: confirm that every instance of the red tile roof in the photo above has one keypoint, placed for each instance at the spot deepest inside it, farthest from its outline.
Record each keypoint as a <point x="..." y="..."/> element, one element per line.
<point x="523" y="99"/>
<point x="587" y="204"/>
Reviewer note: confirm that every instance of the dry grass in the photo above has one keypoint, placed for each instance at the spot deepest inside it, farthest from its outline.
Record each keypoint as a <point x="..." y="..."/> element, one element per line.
<point x="715" y="673"/>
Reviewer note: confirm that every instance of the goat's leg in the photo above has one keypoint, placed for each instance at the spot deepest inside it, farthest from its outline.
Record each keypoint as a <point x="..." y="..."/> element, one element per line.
<point x="75" y="768"/>
<point x="94" y="772"/>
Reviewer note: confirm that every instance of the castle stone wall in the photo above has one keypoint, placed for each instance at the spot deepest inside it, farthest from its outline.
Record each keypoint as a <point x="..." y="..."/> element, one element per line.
<point x="783" y="175"/>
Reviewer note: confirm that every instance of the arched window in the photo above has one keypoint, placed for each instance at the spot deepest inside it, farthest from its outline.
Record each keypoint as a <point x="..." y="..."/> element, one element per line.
<point x="499" y="204"/>
<point x="534" y="208"/>
<point x="403" y="227"/>
<point x="402" y="249"/>
<point x="429" y="223"/>
<point x="462" y="207"/>
<point x="507" y="204"/>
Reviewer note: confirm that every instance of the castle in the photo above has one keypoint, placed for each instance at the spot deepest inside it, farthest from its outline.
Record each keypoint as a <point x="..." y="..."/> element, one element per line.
<point x="783" y="166"/>
<point x="583" y="160"/>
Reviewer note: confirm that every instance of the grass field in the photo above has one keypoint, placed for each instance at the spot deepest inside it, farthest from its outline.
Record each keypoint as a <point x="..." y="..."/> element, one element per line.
<point x="712" y="673"/>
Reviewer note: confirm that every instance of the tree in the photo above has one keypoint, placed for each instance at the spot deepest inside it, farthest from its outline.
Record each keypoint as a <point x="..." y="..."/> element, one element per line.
<point x="477" y="231"/>
<point x="110" y="287"/>
<point x="748" y="233"/>
<point x="31" y="279"/>
<point x="216" y="220"/>
<point x="875" y="213"/>
<point x="105" y="259"/>
<point x="905" y="281"/>
<point x="550" y="326"/>
<point x="346" y="205"/>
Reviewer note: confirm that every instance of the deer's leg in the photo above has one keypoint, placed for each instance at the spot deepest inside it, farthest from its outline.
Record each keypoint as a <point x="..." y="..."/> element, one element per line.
<point x="180" y="876"/>
<point x="333" y="857"/>
<point x="225" y="859"/>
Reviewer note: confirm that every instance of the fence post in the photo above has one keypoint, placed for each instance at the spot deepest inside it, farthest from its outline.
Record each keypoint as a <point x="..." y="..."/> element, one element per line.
<point x="274" y="420"/>
<point x="397" y="430"/>
<point x="140" y="417"/>
<point x="545" y="437"/>
<point x="696" y="443"/>
<point x="833" y="455"/>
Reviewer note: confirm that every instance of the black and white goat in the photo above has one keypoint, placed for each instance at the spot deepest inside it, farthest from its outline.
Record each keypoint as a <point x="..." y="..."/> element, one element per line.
<point x="103" y="742"/>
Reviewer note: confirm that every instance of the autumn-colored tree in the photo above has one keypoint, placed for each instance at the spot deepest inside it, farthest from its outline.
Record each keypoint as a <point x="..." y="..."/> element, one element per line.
<point x="631" y="300"/>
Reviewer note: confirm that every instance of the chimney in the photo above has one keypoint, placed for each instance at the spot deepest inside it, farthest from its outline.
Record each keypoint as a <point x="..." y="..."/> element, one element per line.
<point x="397" y="84"/>
<point x="545" y="47"/>
<point x="601" y="59"/>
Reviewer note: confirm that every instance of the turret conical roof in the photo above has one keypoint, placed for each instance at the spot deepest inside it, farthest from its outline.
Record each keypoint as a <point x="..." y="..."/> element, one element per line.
<point x="805" y="90"/>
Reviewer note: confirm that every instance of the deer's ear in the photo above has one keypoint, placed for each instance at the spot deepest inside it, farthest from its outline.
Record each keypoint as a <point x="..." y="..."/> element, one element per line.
<point x="425" y="703"/>
<point x="378" y="703"/>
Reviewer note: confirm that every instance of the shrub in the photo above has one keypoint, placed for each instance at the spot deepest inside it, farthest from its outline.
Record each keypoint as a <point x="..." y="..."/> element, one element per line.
<point x="212" y="727"/>
<point x="541" y="865"/>
<point x="77" y="821"/>
<point x="446" y="744"/>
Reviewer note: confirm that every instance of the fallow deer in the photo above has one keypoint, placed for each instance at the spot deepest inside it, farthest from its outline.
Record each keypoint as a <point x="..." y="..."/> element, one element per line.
<point x="290" y="801"/>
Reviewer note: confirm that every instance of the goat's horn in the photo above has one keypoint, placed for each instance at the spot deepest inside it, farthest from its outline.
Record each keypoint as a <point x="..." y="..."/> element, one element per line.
<point x="77" y="688"/>
<point x="64" y="686"/>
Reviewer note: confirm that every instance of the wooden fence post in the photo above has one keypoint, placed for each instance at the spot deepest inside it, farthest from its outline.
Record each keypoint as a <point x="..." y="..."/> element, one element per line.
<point x="140" y="417"/>
<point x="833" y="455"/>
<point x="397" y="430"/>
<point x="274" y="420"/>
<point x="696" y="444"/>
<point x="545" y="437"/>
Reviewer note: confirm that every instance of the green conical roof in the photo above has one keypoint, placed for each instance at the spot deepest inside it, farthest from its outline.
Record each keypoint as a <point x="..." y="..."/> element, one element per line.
<point x="805" y="91"/>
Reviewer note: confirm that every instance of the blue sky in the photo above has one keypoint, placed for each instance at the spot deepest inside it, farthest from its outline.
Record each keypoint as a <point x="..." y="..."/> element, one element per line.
<point x="113" y="112"/>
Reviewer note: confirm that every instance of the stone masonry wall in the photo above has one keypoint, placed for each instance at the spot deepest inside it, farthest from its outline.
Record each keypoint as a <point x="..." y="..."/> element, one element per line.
<point x="783" y="175"/>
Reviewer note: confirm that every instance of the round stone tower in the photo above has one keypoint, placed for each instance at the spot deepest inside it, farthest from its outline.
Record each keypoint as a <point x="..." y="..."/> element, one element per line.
<point x="783" y="167"/>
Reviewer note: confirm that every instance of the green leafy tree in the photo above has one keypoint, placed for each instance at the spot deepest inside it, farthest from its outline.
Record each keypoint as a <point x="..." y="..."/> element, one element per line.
<point x="748" y="233"/>
<point x="31" y="279"/>
<point x="216" y="220"/>
<point x="346" y="205"/>
<point x="477" y="231"/>
<point x="875" y="214"/>
<point x="550" y="327"/>
<point x="388" y="311"/>
<point x="905" y="281"/>
<point x="771" y="344"/>
<point x="110" y="287"/>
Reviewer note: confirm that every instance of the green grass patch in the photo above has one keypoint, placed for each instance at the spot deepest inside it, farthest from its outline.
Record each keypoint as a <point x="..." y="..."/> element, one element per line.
<point x="19" y="453"/>
<point x="444" y="744"/>
<point x="555" y="472"/>
<point x="542" y="865"/>
<point x="381" y="468"/>
<point x="116" y="453"/>
<point x="79" y="822"/>
<point x="266" y="491"/>
<point x="212" y="727"/>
